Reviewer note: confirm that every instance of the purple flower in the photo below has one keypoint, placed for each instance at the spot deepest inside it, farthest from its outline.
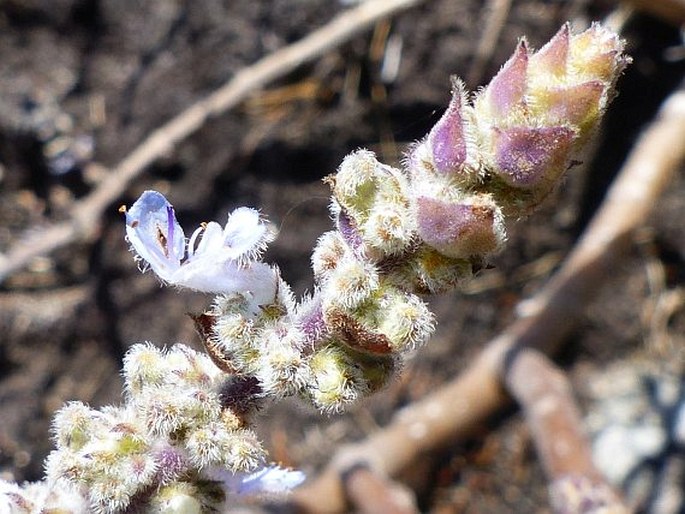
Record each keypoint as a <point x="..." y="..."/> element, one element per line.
<point x="213" y="260"/>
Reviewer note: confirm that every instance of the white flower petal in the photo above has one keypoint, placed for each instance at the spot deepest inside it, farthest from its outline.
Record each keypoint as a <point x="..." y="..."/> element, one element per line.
<point x="212" y="276"/>
<point x="272" y="480"/>
<point x="155" y="234"/>
<point x="212" y="241"/>
<point x="269" y="480"/>
<point x="245" y="233"/>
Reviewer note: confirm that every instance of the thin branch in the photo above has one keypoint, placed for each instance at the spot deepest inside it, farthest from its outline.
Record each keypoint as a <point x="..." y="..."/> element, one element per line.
<point x="454" y="411"/>
<point x="86" y="213"/>
<point x="545" y="395"/>
<point x="369" y="493"/>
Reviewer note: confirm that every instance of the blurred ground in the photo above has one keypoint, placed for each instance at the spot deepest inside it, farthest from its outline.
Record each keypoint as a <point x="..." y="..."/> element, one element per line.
<point x="84" y="81"/>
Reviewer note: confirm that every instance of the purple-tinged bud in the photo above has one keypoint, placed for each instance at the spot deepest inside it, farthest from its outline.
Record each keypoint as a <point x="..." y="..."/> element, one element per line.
<point x="575" y="105"/>
<point x="472" y="227"/>
<point x="506" y="92"/>
<point x="541" y="108"/>
<point x="448" y="138"/>
<point x="529" y="157"/>
<point x="552" y="58"/>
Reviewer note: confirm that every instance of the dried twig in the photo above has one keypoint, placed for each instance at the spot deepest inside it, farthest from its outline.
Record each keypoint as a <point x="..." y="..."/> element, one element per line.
<point x="545" y="395"/>
<point x="370" y="493"/>
<point x="86" y="213"/>
<point x="453" y="412"/>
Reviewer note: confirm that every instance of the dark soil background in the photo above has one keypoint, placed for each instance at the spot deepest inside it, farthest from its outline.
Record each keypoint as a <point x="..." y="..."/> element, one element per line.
<point x="84" y="81"/>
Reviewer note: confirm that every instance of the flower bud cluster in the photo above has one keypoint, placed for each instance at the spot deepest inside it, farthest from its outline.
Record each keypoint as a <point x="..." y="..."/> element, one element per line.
<point x="500" y="155"/>
<point x="291" y="349"/>
<point x="161" y="448"/>
<point x="541" y="107"/>
<point x="58" y="498"/>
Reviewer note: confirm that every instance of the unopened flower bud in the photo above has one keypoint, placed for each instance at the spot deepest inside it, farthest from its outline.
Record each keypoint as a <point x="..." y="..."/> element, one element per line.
<point x="461" y="229"/>
<point x="144" y="366"/>
<point x="73" y="426"/>
<point x="110" y="495"/>
<point x="171" y="462"/>
<point x="372" y="204"/>
<point x="406" y="320"/>
<point x="574" y="105"/>
<point x="234" y="331"/>
<point x="176" y="498"/>
<point x="389" y="228"/>
<point x="551" y="60"/>
<point x="329" y="250"/>
<point x="597" y="53"/>
<point x="337" y="382"/>
<point x="281" y="367"/>
<point x="245" y="452"/>
<point x="208" y="444"/>
<point x="350" y="283"/>
<point x="529" y="156"/>
<point x="571" y="78"/>
<point x="310" y="321"/>
<point x="428" y="271"/>
<point x="449" y="147"/>
<point x="138" y="469"/>
<point x="503" y="100"/>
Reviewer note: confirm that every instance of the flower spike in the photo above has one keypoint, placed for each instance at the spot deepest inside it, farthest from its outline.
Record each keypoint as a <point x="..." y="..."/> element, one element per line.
<point x="183" y="440"/>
